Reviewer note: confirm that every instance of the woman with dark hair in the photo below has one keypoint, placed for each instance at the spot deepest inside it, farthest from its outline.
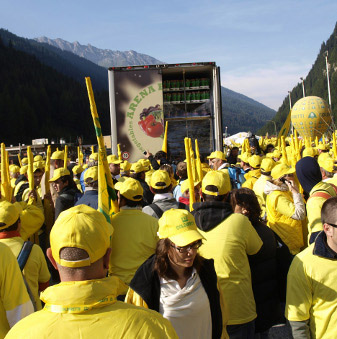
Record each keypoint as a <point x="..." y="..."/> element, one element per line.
<point x="268" y="280"/>
<point x="178" y="283"/>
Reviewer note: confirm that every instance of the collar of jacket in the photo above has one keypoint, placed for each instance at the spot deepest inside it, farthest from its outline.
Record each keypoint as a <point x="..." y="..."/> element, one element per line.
<point x="321" y="248"/>
<point x="82" y="296"/>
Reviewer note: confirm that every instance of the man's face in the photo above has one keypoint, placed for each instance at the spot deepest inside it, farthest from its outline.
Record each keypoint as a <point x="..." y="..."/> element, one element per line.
<point x="59" y="185"/>
<point x="216" y="163"/>
<point x="331" y="234"/>
<point x="115" y="169"/>
<point x="59" y="163"/>
<point x="37" y="178"/>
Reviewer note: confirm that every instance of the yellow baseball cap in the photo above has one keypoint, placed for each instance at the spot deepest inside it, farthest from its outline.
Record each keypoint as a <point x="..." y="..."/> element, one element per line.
<point x="77" y="169"/>
<point x="93" y="157"/>
<point x="81" y="227"/>
<point x="244" y="157"/>
<point x="57" y="155"/>
<point x="267" y="164"/>
<point x="280" y="170"/>
<point x="217" y="155"/>
<point x="146" y="163"/>
<point x="326" y="163"/>
<point x="277" y="154"/>
<point x="24" y="169"/>
<point x="38" y="157"/>
<point x="217" y="179"/>
<point x="322" y="147"/>
<point x="309" y="152"/>
<point x="125" y="166"/>
<point x="137" y="167"/>
<point x="130" y="189"/>
<point x="9" y="213"/>
<point x="186" y="186"/>
<point x="179" y="226"/>
<point x="160" y="179"/>
<point x="38" y="165"/>
<point x="58" y="173"/>
<point x="14" y="168"/>
<point x="113" y="159"/>
<point x="24" y="161"/>
<point x="255" y="161"/>
<point x="91" y="172"/>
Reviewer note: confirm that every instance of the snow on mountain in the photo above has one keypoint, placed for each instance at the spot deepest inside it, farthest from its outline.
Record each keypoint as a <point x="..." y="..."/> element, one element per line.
<point x="103" y="57"/>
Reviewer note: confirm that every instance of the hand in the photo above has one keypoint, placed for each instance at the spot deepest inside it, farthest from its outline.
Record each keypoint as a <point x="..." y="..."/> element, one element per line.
<point x="291" y="185"/>
<point x="148" y="154"/>
<point x="32" y="194"/>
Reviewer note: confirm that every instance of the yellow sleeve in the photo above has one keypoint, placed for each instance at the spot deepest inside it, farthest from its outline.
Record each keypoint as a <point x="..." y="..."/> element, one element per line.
<point x="135" y="299"/>
<point x="253" y="241"/>
<point x="299" y="295"/>
<point x="285" y="206"/>
<point x="224" y="312"/>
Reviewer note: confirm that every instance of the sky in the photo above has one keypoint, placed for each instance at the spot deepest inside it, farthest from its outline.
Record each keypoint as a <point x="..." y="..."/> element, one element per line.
<point x="262" y="47"/>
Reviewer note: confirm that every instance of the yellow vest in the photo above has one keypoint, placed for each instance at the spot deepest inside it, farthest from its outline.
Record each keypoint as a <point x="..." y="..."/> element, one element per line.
<point x="288" y="229"/>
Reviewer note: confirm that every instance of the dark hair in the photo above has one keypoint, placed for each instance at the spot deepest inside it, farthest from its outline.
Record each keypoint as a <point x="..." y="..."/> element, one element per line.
<point x="246" y="198"/>
<point x="89" y="182"/>
<point x="182" y="170"/>
<point x="71" y="182"/>
<point x="164" y="190"/>
<point x="209" y="197"/>
<point x="160" y="154"/>
<point x="162" y="262"/>
<point x="132" y="203"/>
<point x="10" y="228"/>
<point x="329" y="211"/>
<point x="138" y="176"/>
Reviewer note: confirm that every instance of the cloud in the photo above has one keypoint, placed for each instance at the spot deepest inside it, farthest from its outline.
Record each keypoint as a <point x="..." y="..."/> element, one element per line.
<point x="268" y="85"/>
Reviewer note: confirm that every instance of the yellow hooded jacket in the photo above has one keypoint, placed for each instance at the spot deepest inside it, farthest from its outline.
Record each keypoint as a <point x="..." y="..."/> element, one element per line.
<point x="89" y="309"/>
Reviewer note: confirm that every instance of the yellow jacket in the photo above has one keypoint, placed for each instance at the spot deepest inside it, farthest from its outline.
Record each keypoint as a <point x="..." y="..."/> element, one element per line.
<point x="258" y="189"/>
<point x="314" y="206"/>
<point x="89" y="309"/>
<point x="251" y="178"/>
<point x="280" y="207"/>
<point x="312" y="290"/>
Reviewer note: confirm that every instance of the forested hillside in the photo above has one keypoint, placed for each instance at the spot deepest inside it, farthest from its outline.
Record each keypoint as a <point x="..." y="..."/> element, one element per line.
<point x="315" y="84"/>
<point x="37" y="101"/>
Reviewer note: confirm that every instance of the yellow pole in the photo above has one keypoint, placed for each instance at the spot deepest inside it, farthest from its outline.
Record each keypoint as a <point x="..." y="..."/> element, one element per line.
<point x="92" y="149"/>
<point x="164" y="147"/>
<point x="65" y="156"/>
<point x="19" y="158"/>
<point x="316" y="141"/>
<point x="47" y="204"/>
<point x="30" y="168"/>
<point x="6" y="189"/>
<point x="102" y="149"/>
<point x="47" y="170"/>
<point x="334" y="148"/>
<point x="284" y="152"/>
<point x="119" y="152"/>
<point x="189" y="173"/>
<point x="198" y="161"/>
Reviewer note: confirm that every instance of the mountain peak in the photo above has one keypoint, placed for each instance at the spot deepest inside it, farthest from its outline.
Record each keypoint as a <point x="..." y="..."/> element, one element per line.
<point x="103" y="57"/>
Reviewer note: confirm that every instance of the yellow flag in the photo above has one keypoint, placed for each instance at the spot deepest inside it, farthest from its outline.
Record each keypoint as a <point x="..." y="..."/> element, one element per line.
<point x="6" y="189"/>
<point x="189" y="173"/>
<point x="119" y="152"/>
<point x="30" y="168"/>
<point x="65" y="156"/>
<point x="164" y="147"/>
<point x="103" y="203"/>
<point x="286" y="126"/>
<point x="198" y="161"/>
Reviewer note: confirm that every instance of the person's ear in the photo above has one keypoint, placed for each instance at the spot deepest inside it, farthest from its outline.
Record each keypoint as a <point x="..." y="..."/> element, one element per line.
<point x="328" y="230"/>
<point x="51" y="258"/>
<point x="106" y="259"/>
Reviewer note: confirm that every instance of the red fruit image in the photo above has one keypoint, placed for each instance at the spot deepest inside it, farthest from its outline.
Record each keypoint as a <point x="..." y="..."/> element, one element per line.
<point x="154" y="129"/>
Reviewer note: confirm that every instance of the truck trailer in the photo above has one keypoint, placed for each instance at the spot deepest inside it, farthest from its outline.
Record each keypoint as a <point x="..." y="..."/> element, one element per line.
<point x="144" y="98"/>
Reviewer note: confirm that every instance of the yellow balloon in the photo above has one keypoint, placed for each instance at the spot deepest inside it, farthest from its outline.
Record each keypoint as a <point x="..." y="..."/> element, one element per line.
<point x="311" y="116"/>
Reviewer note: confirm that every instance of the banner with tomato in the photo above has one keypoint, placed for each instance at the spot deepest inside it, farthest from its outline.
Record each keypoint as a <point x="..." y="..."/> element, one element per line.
<point x="139" y="108"/>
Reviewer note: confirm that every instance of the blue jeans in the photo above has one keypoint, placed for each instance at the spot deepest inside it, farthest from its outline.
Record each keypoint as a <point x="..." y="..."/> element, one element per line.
<point x="241" y="331"/>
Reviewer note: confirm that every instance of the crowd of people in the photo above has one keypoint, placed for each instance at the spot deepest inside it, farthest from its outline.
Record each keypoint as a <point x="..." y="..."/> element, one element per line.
<point x="257" y="248"/>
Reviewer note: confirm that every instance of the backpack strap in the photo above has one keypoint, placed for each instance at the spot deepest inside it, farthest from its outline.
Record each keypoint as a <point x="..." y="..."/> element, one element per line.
<point x="24" y="254"/>
<point x="157" y="210"/>
<point x="320" y="194"/>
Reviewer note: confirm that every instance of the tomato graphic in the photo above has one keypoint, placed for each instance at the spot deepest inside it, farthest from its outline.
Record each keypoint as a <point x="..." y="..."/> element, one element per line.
<point x="154" y="129"/>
